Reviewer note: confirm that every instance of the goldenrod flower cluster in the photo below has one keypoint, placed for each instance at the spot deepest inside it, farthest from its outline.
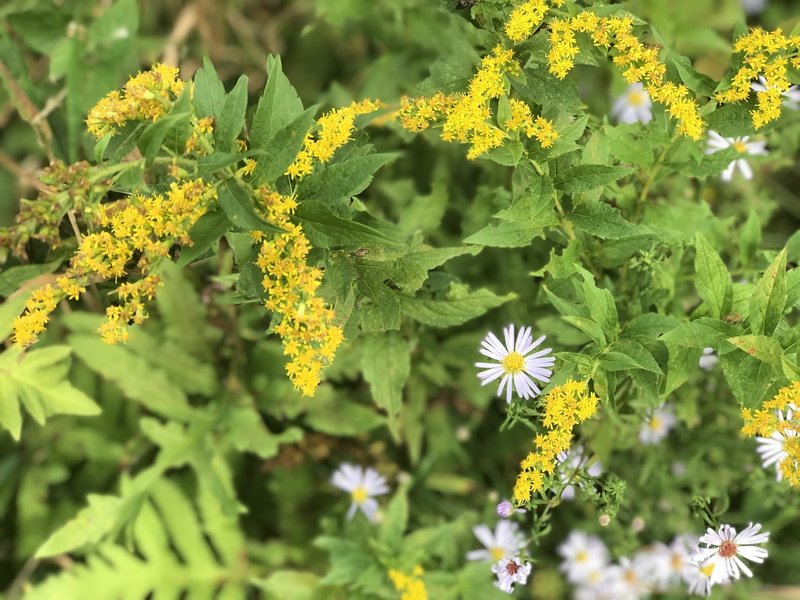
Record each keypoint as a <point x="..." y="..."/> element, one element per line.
<point x="146" y="96"/>
<point x="765" y="54"/>
<point x="411" y="586"/>
<point x="765" y="422"/>
<point x="526" y="17"/>
<point x="201" y="131"/>
<point x="143" y="227"/>
<point x="639" y="63"/>
<point x="522" y="120"/>
<point x="467" y="116"/>
<point x="306" y="326"/>
<point x="565" y="407"/>
<point x="332" y="132"/>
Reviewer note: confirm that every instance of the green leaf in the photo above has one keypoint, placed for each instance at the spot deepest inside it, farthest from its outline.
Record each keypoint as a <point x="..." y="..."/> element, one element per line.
<point x="509" y="154"/>
<point x="342" y="180"/>
<point x="137" y="379"/>
<point x="458" y="308"/>
<point x="505" y="234"/>
<point x="769" y="297"/>
<point x="603" y="221"/>
<point x="231" y="120"/>
<point x="39" y="380"/>
<point x="731" y="120"/>
<point x="204" y="233"/>
<point x="700" y="333"/>
<point x="237" y="203"/>
<point x="154" y="135"/>
<point x="281" y="149"/>
<point x="249" y="434"/>
<point x="747" y="377"/>
<point x="582" y="178"/>
<point x="395" y="520"/>
<point x="750" y="239"/>
<point x="712" y="279"/>
<point x="589" y="327"/>
<point x="386" y="363"/>
<point x="42" y="30"/>
<point x="601" y="305"/>
<point x="761" y="347"/>
<point x="278" y="106"/>
<point x="697" y="82"/>
<point x="209" y="92"/>
<point x="90" y="526"/>
<point x="326" y="229"/>
<point x="339" y="417"/>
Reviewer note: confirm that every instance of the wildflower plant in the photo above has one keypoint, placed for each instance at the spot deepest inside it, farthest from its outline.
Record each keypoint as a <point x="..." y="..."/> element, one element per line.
<point x="241" y="308"/>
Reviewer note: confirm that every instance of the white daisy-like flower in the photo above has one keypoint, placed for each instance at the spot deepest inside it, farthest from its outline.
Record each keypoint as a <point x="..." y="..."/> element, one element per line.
<point x="583" y="555"/>
<point x="504" y="542"/>
<point x="754" y="7"/>
<point x="634" y="106"/>
<point x="709" y="359"/>
<point x="724" y="547"/>
<point x="657" y="425"/>
<point x="627" y="580"/>
<point x="362" y="484"/>
<point x="772" y="449"/>
<point x="568" y="464"/>
<point x="743" y="146"/>
<point x="668" y="564"/>
<point x="510" y="571"/>
<point x="791" y="96"/>
<point x="698" y="580"/>
<point x="514" y="364"/>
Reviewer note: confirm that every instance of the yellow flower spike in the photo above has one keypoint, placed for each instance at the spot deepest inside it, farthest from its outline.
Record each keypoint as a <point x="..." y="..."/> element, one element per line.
<point x="306" y="325"/>
<point x="565" y="406"/>
<point x="410" y="585"/>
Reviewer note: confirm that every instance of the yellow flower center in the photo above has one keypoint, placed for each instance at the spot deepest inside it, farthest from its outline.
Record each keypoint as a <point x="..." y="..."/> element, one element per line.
<point x="740" y="146"/>
<point x="359" y="495"/>
<point x="513" y="363"/>
<point x="655" y="423"/>
<point x="707" y="570"/>
<point x="636" y="98"/>
<point x="581" y="556"/>
<point x="497" y="553"/>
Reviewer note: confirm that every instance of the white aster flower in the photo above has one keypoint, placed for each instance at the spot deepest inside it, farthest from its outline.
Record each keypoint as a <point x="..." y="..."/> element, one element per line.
<point x="634" y="106"/>
<point x="698" y="580"/>
<point x="754" y="7"/>
<point x="773" y="449"/>
<point x="709" y="359"/>
<point x="627" y="580"/>
<point x="516" y="367"/>
<point x="666" y="565"/>
<point x="724" y="547"/>
<point x="504" y="542"/>
<point x="657" y="425"/>
<point x="568" y="464"/>
<point x="743" y="146"/>
<point x="583" y="556"/>
<point x="362" y="484"/>
<point x="792" y="95"/>
<point x="510" y="571"/>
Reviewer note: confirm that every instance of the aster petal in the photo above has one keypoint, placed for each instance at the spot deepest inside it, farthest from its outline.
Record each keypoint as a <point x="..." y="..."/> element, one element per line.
<point x="485" y="535"/>
<point x="479" y="555"/>
<point x="744" y="167"/>
<point x="727" y="174"/>
<point x="369" y="507"/>
<point x="508" y="332"/>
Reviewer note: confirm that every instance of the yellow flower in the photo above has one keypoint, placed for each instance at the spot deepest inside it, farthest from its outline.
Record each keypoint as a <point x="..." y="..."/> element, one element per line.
<point x="147" y="96"/>
<point x="565" y="406"/>
<point x="411" y="586"/>
<point x="333" y="131"/>
<point x="524" y="19"/>
<point x="305" y="324"/>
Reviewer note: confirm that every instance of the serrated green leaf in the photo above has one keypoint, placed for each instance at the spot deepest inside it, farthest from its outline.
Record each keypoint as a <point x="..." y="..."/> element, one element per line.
<point x="209" y="92"/>
<point x="89" y="526"/>
<point x="712" y="280"/>
<point x="237" y="203"/>
<point x="582" y="178"/>
<point x="761" y="347"/>
<point x="278" y="106"/>
<point x="342" y="180"/>
<point x="603" y="221"/>
<point x="769" y="297"/>
<point x="231" y="120"/>
<point x="277" y="153"/>
<point x="386" y="363"/>
<point x="454" y="310"/>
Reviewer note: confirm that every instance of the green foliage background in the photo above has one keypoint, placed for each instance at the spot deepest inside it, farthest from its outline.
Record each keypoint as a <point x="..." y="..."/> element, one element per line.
<point x="206" y="472"/>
